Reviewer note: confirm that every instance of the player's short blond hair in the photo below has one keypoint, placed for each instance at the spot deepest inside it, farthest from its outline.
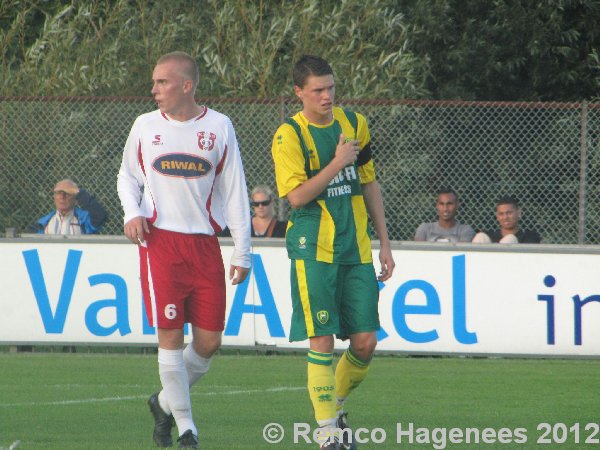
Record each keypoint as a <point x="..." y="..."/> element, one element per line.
<point x="189" y="66"/>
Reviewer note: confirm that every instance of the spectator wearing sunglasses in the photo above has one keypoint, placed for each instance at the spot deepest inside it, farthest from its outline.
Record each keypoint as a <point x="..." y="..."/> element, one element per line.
<point x="77" y="212"/>
<point x="264" y="222"/>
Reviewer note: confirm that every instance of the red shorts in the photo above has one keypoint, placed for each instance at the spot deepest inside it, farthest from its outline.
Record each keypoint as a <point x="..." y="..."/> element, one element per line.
<point x="183" y="280"/>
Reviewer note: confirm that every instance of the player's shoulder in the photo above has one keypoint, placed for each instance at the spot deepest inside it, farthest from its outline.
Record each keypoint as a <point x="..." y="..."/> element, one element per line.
<point x="339" y="111"/>
<point x="355" y="118"/>
<point x="152" y="119"/>
<point x="149" y="116"/>
<point x="289" y="127"/>
<point x="215" y="115"/>
<point x="215" y="120"/>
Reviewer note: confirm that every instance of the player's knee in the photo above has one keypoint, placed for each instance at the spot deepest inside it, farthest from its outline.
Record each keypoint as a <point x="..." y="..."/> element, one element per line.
<point x="364" y="345"/>
<point x="207" y="346"/>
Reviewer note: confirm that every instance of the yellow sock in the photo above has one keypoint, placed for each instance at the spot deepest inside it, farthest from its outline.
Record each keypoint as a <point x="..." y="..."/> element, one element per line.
<point x="349" y="373"/>
<point x="321" y="386"/>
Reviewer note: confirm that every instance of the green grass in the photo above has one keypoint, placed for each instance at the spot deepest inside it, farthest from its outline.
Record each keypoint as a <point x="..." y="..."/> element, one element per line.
<point x="97" y="401"/>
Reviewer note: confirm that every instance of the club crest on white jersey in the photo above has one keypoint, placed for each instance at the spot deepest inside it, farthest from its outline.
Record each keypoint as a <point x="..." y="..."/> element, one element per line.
<point x="206" y="143"/>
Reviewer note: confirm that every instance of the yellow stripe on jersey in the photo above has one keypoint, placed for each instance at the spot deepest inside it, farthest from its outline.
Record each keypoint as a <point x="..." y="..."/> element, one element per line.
<point x="360" y="220"/>
<point x="303" y="290"/>
<point x="289" y="160"/>
<point x="366" y="173"/>
<point x="326" y="235"/>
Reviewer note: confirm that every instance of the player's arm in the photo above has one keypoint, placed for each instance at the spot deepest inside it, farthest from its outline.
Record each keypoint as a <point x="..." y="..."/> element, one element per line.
<point x="374" y="203"/>
<point x="345" y="155"/>
<point x="129" y="184"/>
<point x="231" y="183"/>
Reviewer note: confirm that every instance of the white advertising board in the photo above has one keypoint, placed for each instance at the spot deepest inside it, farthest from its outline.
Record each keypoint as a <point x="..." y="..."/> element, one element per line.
<point x="465" y="299"/>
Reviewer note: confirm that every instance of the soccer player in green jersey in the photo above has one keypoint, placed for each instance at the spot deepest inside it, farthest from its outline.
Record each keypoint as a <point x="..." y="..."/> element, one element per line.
<point x="323" y="166"/>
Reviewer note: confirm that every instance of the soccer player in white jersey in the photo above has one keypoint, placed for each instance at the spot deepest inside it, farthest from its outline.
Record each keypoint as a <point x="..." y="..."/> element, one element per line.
<point x="181" y="182"/>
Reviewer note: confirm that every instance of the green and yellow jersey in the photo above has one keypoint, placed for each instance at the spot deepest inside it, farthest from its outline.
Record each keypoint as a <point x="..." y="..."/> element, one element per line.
<point x="333" y="228"/>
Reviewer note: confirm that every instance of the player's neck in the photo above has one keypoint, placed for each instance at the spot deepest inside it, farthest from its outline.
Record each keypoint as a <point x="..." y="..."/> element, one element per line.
<point x="318" y="119"/>
<point x="186" y="112"/>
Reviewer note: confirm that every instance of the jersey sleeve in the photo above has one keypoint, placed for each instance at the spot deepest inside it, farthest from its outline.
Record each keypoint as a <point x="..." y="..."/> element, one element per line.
<point x="289" y="161"/>
<point x="366" y="169"/>
<point x="130" y="179"/>
<point x="231" y="184"/>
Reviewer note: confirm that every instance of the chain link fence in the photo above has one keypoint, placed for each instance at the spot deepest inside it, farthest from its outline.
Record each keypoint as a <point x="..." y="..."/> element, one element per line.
<point x="545" y="154"/>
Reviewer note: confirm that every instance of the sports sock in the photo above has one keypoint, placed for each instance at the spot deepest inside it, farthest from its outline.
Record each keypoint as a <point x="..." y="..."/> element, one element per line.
<point x="349" y="373"/>
<point x="321" y="387"/>
<point x="195" y="364"/>
<point x="176" y="389"/>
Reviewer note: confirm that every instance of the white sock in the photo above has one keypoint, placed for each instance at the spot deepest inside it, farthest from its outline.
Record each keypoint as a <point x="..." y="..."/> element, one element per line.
<point x="176" y="389"/>
<point x="195" y="364"/>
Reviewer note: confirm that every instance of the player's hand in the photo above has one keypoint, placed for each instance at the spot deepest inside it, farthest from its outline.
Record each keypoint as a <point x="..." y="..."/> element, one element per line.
<point x="238" y="274"/>
<point x="347" y="152"/>
<point x="387" y="263"/>
<point x="136" y="229"/>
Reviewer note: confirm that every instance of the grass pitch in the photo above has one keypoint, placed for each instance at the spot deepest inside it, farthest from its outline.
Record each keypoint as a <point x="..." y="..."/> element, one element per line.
<point x="97" y="401"/>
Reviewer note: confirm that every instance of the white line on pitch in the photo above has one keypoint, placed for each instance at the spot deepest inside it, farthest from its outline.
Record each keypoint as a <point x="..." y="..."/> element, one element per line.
<point x="136" y="397"/>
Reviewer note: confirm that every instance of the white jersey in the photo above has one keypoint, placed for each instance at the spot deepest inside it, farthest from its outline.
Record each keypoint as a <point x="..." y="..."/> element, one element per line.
<point x="187" y="177"/>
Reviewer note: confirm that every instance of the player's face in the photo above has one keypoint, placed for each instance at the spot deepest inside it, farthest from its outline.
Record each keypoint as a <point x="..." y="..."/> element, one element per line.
<point x="446" y="207"/>
<point x="169" y="87"/>
<point x="317" y="97"/>
<point x="508" y="216"/>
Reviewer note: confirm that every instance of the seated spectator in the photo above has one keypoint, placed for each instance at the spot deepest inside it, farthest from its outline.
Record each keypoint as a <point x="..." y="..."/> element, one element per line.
<point x="508" y="214"/>
<point x="77" y="212"/>
<point x="264" y="222"/>
<point x="447" y="228"/>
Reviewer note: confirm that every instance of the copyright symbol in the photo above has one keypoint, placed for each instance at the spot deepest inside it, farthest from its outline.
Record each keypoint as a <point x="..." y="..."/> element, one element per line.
<point x="273" y="433"/>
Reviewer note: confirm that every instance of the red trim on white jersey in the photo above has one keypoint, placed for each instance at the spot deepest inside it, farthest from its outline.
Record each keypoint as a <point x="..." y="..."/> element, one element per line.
<point x="170" y="176"/>
<point x="203" y="113"/>
<point x="218" y="170"/>
<point x="152" y="218"/>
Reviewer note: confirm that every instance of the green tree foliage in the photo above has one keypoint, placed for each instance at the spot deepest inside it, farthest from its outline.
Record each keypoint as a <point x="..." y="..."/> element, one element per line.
<point x="440" y="49"/>
<point x="508" y="49"/>
<point x="245" y="48"/>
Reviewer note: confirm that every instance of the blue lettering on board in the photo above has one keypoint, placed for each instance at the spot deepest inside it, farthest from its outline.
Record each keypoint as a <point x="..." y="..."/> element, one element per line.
<point x="267" y="306"/>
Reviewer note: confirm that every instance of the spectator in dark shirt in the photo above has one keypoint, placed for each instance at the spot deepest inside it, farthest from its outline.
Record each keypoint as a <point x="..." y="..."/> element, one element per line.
<point x="264" y="222"/>
<point x="508" y="215"/>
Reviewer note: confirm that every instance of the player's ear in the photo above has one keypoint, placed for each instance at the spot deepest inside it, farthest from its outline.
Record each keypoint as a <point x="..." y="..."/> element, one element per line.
<point x="188" y="86"/>
<point x="298" y="92"/>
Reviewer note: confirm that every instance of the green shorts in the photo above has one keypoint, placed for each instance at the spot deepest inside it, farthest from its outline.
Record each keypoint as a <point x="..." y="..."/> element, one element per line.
<point x="332" y="299"/>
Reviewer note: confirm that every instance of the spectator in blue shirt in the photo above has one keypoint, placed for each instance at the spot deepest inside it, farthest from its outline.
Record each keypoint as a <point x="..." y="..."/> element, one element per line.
<point x="77" y="212"/>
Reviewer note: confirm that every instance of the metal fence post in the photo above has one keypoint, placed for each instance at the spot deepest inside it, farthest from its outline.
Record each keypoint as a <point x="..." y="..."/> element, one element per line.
<point x="582" y="172"/>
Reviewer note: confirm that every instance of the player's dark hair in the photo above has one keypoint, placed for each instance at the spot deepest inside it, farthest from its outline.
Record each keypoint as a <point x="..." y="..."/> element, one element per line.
<point x="447" y="190"/>
<point x="507" y="200"/>
<point x="309" y="65"/>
